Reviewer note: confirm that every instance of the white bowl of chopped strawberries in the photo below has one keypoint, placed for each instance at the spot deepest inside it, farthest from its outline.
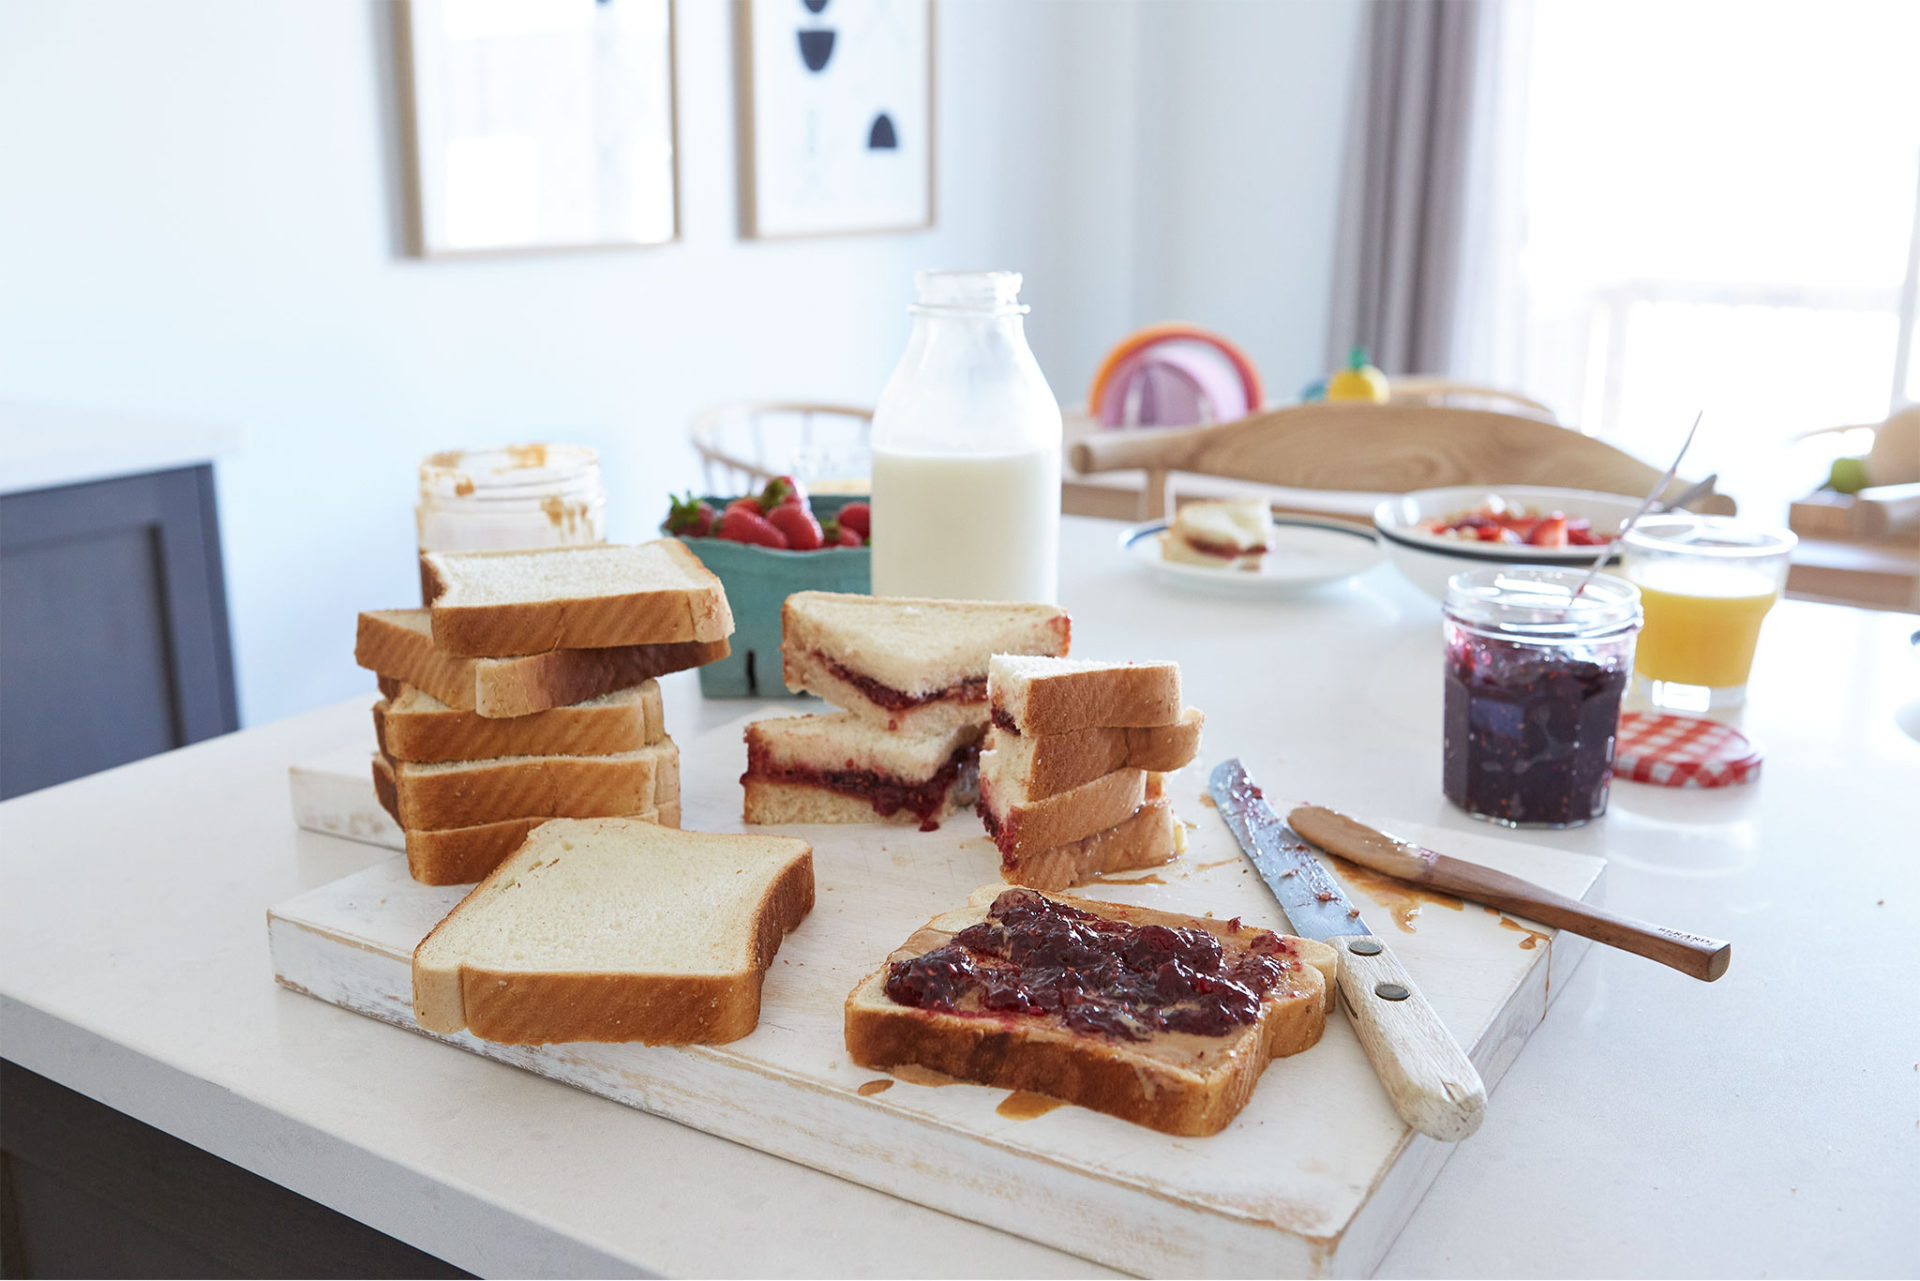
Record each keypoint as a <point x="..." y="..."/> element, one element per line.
<point x="1433" y="534"/>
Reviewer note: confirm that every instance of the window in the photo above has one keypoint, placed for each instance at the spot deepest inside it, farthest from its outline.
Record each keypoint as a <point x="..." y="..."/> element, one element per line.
<point x="1718" y="212"/>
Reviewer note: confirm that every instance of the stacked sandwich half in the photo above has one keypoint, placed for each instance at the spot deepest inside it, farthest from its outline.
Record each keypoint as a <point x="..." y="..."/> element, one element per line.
<point x="1070" y="781"/>
<point x="911" y="679"/>
<point x="527" y="692"/>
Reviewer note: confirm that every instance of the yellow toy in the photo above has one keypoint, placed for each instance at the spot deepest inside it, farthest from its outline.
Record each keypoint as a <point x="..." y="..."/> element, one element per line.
<point x="1358" y="382"/>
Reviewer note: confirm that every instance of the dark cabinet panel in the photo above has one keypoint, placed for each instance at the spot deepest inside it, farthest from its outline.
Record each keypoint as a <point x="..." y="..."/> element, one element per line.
<point x="113" y="625"/>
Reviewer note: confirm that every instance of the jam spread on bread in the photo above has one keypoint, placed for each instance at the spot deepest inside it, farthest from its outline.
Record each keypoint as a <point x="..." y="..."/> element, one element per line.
<point x="1003" y="721"/>
<point x="1033" y="956"/>
<point x="1225" y="551"/>
<point x="888" y="794"/>
<point x="971" y="690"/>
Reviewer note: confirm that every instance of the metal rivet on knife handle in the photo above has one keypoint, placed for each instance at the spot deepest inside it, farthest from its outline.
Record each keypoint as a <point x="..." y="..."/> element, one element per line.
<point x="1364" y="947"/>
<point x="1389" y="991"/>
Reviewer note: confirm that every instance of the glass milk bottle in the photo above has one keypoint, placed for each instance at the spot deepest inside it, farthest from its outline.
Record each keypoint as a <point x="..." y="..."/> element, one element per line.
<point x="966" y="451"/>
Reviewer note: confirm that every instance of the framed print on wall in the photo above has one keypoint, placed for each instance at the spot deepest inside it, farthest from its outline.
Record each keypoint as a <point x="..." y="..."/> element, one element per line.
<point x="538" y="124"/>
<point x="836" y="116"/>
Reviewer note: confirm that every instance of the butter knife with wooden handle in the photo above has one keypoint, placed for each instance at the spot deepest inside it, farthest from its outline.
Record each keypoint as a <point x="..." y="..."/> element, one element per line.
<point x="1703" y="958"/>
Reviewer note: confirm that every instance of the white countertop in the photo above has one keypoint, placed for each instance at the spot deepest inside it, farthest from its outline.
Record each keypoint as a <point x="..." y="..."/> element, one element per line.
<point x="43" y="446"/>
<point x="1764" y="1124"/>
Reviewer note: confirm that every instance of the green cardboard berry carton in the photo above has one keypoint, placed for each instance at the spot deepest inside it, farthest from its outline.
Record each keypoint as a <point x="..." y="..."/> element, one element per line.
<point x="758" y="581"/>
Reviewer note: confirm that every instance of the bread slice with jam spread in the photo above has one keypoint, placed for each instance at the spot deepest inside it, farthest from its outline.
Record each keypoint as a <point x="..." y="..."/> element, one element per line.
<point x="837" y="768"/>
<point x="614" y="929"/>
<point x="1032" y="695"/>
<point x="1174" y="1037"/>
<point x="907" y="664"/>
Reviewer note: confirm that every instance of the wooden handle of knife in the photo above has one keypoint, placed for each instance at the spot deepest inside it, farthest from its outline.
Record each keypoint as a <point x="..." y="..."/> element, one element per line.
<point x="1433" y="1084"/>
<point x="1693" y="954"/>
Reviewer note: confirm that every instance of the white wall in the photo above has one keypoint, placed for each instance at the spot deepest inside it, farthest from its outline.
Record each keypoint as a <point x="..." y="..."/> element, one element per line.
<point x="200" y="218"/>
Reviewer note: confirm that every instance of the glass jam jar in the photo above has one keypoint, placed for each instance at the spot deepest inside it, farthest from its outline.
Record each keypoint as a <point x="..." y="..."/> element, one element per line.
<point x="1534" y="677"/>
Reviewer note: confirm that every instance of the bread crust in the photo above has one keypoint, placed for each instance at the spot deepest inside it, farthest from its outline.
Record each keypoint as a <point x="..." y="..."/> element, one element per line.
<point x="1106" y="1076"/>
<point x="1145" y="839"/>
<point x="1125" y="695"/>
<point x="653" y="616"/>
<point x="530" y="787"/>
<point x="1022" y="831"/>
<point x="578" y="730"/>
<point x="496" y="687"/>
<point x="539" y="1007"/>
<point x="1061" y="762"/>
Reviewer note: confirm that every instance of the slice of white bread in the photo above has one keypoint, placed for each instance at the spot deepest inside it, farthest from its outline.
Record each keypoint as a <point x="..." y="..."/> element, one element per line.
<point x="837" y="768"/>
<point x="1176" y="1082"/>
<point x="1059" y="695"/>
<point x="1152" y="835"/>
<point x="397" y="644"/>
<point x="462" y="855"/>
<point x="1232" y="533"/>
<point x="1048" y="764"/>
<point x="1022" y="828"/>
<point x="497" y="604"/>
<point x="416" y="726"/>
<point x="615" y="930"/>
<point x="468" y="793"/>
<point x="910" y="664"/>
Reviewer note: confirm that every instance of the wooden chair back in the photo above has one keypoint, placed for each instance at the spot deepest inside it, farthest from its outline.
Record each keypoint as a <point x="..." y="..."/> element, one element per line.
<point x="745" y="444"/>
<point x="1377" y="449"/>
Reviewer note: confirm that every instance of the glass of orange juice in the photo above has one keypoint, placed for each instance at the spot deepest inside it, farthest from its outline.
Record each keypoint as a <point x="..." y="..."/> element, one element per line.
<point x="1706" y="584"/>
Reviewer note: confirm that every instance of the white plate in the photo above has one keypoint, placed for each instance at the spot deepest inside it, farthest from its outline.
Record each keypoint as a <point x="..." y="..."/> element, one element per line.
<point x="1304" y="554"/>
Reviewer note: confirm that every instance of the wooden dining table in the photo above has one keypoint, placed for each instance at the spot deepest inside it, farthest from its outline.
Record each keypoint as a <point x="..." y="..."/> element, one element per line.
<point x="1764" y="1124"/>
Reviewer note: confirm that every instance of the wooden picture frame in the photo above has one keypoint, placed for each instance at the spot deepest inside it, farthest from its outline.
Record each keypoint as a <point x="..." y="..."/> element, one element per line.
<point x="769" y="95"/>
<point x="463" y="219"/>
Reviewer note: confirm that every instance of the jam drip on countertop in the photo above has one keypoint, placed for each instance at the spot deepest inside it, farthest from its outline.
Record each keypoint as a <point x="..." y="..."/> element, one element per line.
<point x="887" y="793"/>
<point x="1033" y="956"/>
<point x="1529" y="734"/>
<point x="971" y="690"/>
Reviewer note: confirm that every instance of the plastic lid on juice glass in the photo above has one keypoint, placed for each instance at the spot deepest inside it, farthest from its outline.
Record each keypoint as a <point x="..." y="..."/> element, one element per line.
<point x="1718" y="537"/>
<point x="1544" y="604"/>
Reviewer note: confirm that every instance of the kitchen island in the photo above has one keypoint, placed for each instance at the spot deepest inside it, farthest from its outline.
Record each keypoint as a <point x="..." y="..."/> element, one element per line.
<point x="1763" y="1123"/>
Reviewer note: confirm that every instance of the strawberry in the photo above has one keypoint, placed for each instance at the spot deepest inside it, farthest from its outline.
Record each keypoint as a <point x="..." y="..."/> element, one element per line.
<point x="1551" y="532"/>
<point x="782" y="491"/>
<point x="751" y="503"/>
<point x="859" y="518"/>
<point x="848" y="536"/>
<point x="743" y="526"/>
<point x="1488" y="533"/>
<point x="797" y="523"/>
<point x="690" y="517"/>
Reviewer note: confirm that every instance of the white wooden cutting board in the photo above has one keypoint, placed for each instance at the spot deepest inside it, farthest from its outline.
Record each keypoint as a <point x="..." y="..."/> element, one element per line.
<point x="1315" y="1178"/>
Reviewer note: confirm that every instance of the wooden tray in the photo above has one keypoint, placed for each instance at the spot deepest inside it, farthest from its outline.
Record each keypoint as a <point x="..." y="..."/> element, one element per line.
<point x="1315" y="1178"/>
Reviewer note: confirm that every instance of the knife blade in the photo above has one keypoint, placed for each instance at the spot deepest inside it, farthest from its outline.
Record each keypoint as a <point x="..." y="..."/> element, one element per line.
<point x="1433" y="1085"/>
<point x="1703" y="958"/>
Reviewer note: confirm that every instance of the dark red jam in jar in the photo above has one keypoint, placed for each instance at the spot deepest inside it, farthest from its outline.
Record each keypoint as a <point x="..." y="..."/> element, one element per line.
<point x="1534" y="677"/>
<point x="1035" y="956"/>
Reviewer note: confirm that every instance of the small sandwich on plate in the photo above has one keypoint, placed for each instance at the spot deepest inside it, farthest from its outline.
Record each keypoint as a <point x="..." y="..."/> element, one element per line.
<point x="900" y="663"/>
<point x="1072" y="775"/>
<point x="1220" y="533"/>
<point x="838" y="768"/>
<point x="615" y="930"/>
<point x="1163" y="1020"/>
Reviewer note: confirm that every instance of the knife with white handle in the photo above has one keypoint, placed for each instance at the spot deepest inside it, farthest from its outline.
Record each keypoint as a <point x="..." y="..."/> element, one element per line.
<point x="1433" y="1085"/>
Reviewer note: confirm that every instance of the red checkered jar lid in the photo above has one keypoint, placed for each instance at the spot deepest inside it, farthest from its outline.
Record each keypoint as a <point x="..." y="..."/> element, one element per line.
<point x="1682" y="751"/>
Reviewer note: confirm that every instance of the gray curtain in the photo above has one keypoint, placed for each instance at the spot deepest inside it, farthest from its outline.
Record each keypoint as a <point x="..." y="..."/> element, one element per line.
<point x="1403" y="207"/>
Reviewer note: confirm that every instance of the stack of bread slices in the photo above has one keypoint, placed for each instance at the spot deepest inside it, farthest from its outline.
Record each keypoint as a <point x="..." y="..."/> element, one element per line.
<point x="1071" y="775"/>
<point x="527" y="692"/>
<point x="910" y="678"/>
